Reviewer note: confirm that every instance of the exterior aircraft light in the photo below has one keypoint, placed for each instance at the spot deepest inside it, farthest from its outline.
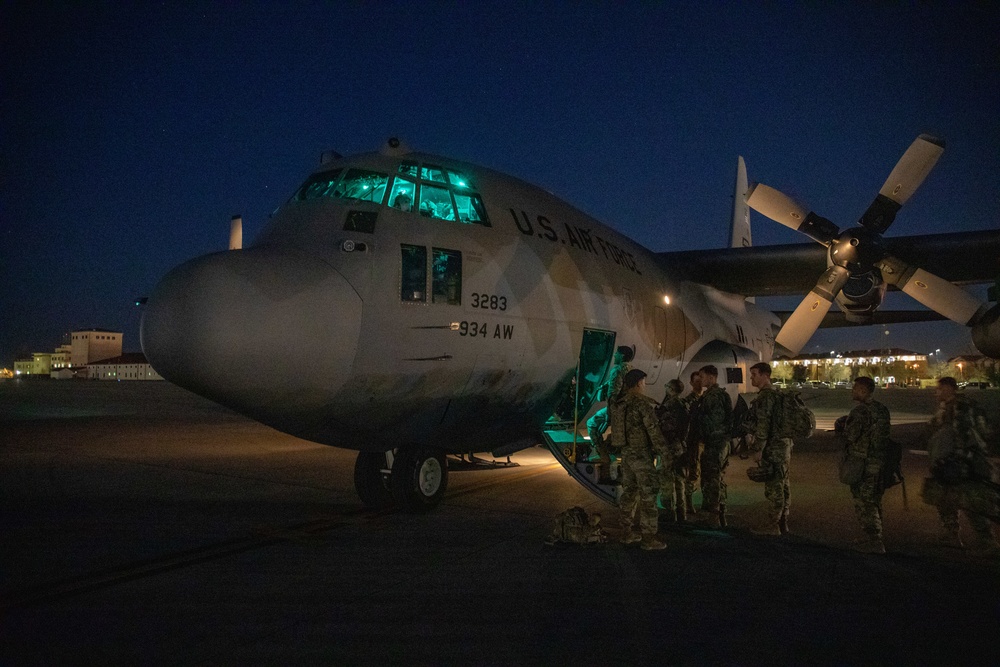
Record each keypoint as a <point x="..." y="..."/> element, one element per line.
<point x="666" y="299"/>
<point x="454" y="326"/>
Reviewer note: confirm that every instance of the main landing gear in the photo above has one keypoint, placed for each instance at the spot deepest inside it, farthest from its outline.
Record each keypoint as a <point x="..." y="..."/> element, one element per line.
<point x="412" y="477"/>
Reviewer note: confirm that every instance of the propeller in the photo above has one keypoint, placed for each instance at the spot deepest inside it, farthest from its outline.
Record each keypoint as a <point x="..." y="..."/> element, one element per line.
<point x="859" y="250"/>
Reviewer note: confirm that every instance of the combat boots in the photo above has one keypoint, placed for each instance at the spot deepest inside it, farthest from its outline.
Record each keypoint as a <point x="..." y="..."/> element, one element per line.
<point x="722" y="516"/>
<point x="652" y="543"/>
<point x="783" y="524"/>
<point x="631" y="537"/>
<point x="680" y="515"/>
<point x="950" y="538"/>
<point x="688" y="505"/>
<point x="987" y="547"/>
<point x="869" y="545"/>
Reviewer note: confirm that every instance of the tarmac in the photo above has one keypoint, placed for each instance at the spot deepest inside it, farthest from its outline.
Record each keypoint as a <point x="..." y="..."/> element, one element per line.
<point x="145" y="525"/>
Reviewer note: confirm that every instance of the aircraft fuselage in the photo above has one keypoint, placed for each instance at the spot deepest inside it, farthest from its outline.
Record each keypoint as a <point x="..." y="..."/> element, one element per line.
<point x="354" y="323"/>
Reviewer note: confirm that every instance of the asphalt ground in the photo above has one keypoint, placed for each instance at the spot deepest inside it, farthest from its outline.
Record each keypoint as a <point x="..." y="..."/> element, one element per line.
<point x="144" y="525"/>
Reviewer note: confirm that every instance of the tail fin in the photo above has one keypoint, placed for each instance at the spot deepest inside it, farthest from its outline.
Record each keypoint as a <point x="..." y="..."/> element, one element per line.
<point x="739" y="231"/>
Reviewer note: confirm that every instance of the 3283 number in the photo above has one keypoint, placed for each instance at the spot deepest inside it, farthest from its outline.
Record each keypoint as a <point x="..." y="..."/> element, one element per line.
<point x="489" y="301"/>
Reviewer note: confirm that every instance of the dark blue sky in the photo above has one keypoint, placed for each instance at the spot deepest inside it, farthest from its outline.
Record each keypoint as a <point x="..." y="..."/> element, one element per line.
<point x="130" y="136"/>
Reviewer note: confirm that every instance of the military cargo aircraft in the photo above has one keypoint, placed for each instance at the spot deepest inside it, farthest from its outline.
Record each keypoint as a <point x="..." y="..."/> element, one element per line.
<point x="409" y="306"/>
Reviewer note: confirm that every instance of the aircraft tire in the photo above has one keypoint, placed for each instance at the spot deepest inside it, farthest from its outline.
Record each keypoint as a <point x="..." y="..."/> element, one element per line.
<point x="370" y="484"/>
<point x="419" y="478"/>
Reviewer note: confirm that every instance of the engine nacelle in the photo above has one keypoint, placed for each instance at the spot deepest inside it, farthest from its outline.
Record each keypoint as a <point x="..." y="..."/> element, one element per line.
<point x="861" y="296"/>
<point x="986" y="333"/>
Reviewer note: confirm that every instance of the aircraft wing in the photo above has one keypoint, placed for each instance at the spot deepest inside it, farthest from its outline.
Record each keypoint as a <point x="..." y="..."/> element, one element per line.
<point x="963" y="258"/>
<point x="836" y="318"/>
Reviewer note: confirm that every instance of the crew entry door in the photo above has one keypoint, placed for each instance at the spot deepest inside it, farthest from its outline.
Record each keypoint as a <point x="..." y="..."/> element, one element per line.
<point x="596" y="355"/>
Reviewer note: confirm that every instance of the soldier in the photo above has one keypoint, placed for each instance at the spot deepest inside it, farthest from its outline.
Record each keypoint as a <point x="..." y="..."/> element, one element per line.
<point x="715" y="420"/>
<point x="769" y="448"/>
<point x="867" y="433"/>
<point x="960" y="435"/>
<point x="615" y="395"/>
<point x="691" y="460"/>
<point x="673" y="418"/>
<point x="641" y="440"/>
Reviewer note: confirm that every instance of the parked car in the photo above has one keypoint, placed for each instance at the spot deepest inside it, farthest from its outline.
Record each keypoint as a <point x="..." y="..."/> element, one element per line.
<point x="975" y="385"/>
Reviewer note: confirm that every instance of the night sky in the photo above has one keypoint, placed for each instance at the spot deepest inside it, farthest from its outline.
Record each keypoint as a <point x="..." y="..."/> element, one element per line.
<point x="131" y="135"/>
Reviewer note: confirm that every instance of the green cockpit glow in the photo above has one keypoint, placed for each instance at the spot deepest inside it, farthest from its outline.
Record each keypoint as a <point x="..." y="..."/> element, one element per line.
<point x="425" y="189"/>
<point x="435" y="192"/>
<point x="356" y="184"/>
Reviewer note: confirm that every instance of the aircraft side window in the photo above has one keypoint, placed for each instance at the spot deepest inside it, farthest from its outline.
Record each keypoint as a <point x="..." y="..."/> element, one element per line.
<point x="431" y="173"/>
<point x="362" y="185"/>
<point x="436" y="202"/>
<point x="413" y="275"/>
<point x="404" y="193"/>
<point x="317" y="186"/>
<point x="470" y="209"/>
<point x="446" y="276"/>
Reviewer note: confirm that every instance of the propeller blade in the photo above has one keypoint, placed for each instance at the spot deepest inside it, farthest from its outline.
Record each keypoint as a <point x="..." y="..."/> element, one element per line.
<point x="906" y="177"/>
<point x="936" y="293"/>
<point x="784" y="210"/>
<point x="804" y="321"/>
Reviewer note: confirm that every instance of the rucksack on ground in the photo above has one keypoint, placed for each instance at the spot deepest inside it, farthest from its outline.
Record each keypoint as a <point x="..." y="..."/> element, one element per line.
<point x="892" y="468"/>
<point x="575" y="526"/>
<point x="797" y="421"/>
<point x="741" y="418"/>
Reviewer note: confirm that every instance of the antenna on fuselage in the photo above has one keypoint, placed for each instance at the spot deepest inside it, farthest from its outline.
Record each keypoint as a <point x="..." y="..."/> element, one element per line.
<point x="394" y="146"/>
<point x="236" y="233"/>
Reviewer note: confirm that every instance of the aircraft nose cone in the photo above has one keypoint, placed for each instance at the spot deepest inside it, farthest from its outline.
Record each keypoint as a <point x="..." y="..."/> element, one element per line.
<point x="270" y="332"/>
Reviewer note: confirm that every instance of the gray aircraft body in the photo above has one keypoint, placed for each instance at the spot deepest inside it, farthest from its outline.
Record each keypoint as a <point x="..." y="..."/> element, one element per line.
<point x="408" y="306"/>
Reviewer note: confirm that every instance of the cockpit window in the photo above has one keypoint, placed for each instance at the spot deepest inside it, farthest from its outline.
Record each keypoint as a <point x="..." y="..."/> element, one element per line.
<point x="404" y="193"/>
<point x="435" y="202"/>
<point x="362" y="185"/>
<point x="431" y="173"/>
<point x="407" y="168"/>
<point x="460" y="180"/>
<point x="470" y="208"/>
<point x="436" y="192"/>
<point x="318" y="186"/>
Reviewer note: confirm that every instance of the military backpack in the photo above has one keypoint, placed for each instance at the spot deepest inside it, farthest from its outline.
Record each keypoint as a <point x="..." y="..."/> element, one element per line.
<point x="797" y="421"/>
<point x="575" y="526"/>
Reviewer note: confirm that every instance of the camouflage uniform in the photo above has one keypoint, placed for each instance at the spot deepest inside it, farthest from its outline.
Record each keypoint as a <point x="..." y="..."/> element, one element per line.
<point x="867" y="433"/>
<point x="964" y="427"/>
<point x="691" y="460"/>
<point x="598" y="424"/>
<point x="775" y="450"/>
<point x="714" y="419"/>
<point x="673" y="418"/>
<point x="642" y="439"/>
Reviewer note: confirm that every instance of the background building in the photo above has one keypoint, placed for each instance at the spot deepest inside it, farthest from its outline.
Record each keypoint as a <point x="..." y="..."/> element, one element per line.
<point x="893" y="366"/>
<point x="131" y="366"/>
<point x="40" y="363"/>
<point x="92" y="345"/>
